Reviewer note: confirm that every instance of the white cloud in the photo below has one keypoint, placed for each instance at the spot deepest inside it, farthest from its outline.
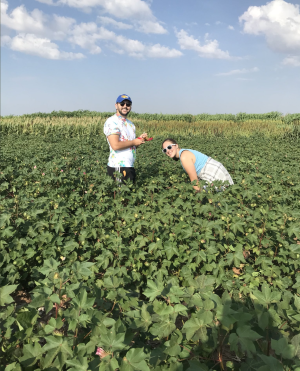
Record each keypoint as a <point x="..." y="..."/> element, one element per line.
<point x="42" y="47"/>
<point x="20" y="20"/>
<point x="59" y="27"/>
<point x="292" y="61"/>
<point x="134" y="48"/>
<point x="230" y="27"/>
<point x="37" y="30"/>
<point x="86" y="35"/>
<point x="111" y="22"/>
<point x="145" y="26"/>
<point x="48" y="2"/>
<point x="36" y="22"/>
<point x="137" y="49"/>
<point x="207" y="24"/>
<point x="129" y="9"/>
<point x="5" y="40"/>
<point x="137" y="11"/>
<point x="238" y="72"/>
<point x="158" y="51"/>
<point x="210" y="48"/>
<point x="278" y="21"/>
<point x="151" y="27"/>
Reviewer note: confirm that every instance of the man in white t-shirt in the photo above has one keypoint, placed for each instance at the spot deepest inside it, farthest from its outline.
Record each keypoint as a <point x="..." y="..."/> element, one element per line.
<point x="120" y="134"/>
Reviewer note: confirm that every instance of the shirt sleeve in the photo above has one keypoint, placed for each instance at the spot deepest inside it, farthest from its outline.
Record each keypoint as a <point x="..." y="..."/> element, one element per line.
<point x="111" y="127"/>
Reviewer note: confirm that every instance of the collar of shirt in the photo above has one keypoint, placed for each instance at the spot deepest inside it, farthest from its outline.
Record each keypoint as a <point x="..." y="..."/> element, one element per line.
<point x="124" y="120"/>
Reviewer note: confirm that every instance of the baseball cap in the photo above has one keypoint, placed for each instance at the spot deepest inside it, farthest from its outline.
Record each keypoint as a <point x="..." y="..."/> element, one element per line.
<point x="123" y="97"/>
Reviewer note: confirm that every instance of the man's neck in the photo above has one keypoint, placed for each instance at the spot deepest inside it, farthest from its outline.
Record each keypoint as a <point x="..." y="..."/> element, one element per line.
<point x="119" y="114"/>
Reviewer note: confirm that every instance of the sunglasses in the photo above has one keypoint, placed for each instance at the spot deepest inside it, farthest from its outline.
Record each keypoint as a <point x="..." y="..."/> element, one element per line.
<point x="168" y="148"/>
<point x="123" y="104"/>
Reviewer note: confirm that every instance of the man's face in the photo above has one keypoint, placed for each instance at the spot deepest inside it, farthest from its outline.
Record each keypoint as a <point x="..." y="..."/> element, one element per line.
<point x="123" y="108"/>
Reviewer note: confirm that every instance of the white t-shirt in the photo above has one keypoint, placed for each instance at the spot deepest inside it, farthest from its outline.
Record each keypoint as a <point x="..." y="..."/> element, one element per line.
<point x="126" y="131"/>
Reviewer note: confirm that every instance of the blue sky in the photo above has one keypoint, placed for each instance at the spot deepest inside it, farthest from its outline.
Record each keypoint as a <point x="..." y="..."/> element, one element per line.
<point x="170" y="56"/>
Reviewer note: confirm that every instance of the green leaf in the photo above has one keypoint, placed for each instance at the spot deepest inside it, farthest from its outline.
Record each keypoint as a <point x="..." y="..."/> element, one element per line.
<point x="266" y="296"/>
<point x="112" y="283"/>
<point x="297" y="302"/>
<point x="81" y="269"/>
<point x="112" y="341"/>
<point x="145" y="319"/>
<point x="172" y="346"/>
<point x="251" y="364"/>
<point x="134" y="360"/>
<point x="5" y="292"/>
<point x="108" y="363"/>
<point x="237" y="226"/>
<point x="157" y="356"/>
<point x="154" y="289"/>
<point x="13" y="367"/>
<point x="60" y="360"/>
<point x="196" y="326"/>
<point x="170" y="250"/>
<point x="294" y="229"/>
<point x="50" y="265"/>
<point x="39" y="301"/>
<point x="4" y="218"/>
<point x="283" y="348"/>
<point x="49" y="358"/>
<point x="78" y="364"/>
<point x="196" y="300"/>
<point x="244" y="338"/>
<point x="162" y="308"/>
<point x="196" y="366"/>
<point x="55" y="298"/>
<point x="271" y="364"/>
<point x="179" y="308"/>
<point x="81" y="301"/>
<point x="203" y="283"/>
<point x="53" y="324"/>
<point x="164" y="328"/>
<point x="296" y="343"/>
<point x="175" y="366"/>
<point x="57" y="342"/>
<point x="32" y="353"/>
<point x="208" y="304"/>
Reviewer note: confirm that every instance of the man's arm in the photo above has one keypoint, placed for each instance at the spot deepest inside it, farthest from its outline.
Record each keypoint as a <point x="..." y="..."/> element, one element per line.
<point x="188" y="162"/>
<point x="117" y="145"/>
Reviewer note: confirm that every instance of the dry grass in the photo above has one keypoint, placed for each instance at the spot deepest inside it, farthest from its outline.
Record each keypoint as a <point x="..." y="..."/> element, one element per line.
<point x="83" y="126"/>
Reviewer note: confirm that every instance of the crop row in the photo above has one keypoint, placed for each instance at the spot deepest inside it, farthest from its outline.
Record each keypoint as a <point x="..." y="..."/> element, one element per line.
<point x="242" y="116"/>
<point x="90" y="126"/>
<point x="149" y="276"/>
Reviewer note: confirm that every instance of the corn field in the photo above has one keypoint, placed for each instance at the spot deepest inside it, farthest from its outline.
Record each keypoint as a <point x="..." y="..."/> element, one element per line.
<point x="87" y="125"/>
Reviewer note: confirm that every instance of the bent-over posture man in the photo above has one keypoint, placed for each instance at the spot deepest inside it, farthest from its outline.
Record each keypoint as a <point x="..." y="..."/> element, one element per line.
<point x="120" y="134"/>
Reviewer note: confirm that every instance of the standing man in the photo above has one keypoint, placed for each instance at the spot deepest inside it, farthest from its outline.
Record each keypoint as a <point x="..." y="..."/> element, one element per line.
<point x="120" y="135"/>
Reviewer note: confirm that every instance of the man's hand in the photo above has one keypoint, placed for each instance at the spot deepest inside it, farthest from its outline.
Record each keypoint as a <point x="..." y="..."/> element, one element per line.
<point x="138" y="141"/>
<point x="144" y="135"/>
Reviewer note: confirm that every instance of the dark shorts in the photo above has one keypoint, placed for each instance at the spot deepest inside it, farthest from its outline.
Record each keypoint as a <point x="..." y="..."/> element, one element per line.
<point x="126" y="173"/>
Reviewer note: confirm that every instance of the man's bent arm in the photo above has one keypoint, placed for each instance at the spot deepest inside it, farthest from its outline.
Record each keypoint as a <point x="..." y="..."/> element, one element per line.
<point x="117" y="145"/>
